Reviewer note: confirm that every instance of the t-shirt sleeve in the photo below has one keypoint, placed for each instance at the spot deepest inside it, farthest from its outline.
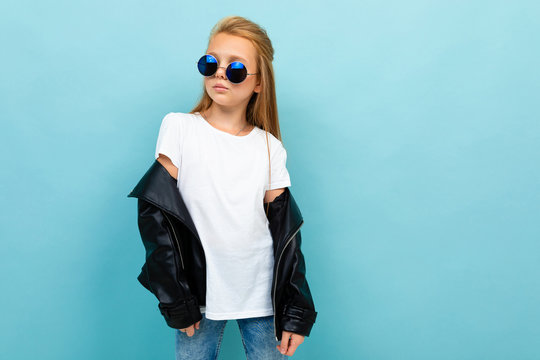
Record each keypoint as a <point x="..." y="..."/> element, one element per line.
<point x="279" y="174"/>
<point x="169" y="140"/>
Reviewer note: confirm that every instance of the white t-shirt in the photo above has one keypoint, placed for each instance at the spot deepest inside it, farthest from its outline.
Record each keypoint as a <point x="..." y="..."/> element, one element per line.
<point x="223" y="179"/>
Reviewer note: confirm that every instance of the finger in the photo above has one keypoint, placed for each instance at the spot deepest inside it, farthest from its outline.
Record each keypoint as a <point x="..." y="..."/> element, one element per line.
<point x="293" y="344"/>
<point x="298" y="339"/>
<point x="284" y="341"/>
<point x="284" y="346"/>
<point x="191" y="330"/>
<point x="185" y="330"/>
<point x="198" y="324"/>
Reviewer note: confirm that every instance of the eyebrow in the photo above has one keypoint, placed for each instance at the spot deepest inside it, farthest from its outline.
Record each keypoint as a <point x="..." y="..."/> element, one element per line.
<point x="232" y="57"/>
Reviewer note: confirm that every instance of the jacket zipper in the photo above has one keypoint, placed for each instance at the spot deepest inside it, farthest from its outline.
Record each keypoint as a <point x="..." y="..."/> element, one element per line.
<point x="175" y="239"/>
<point x="277" y="271"/>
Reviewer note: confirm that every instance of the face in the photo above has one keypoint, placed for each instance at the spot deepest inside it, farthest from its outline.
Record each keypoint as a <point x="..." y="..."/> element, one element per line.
<point x="226" y="49"/>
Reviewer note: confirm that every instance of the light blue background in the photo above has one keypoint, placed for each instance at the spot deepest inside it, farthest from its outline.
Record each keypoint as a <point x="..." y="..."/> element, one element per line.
<point x="413" y="139"/>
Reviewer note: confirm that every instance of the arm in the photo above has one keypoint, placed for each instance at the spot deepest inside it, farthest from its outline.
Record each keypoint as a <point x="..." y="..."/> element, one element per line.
<point x="299" y="313"/>
<point x="270" y="195"/>
<point x="163" y="272"/>
<point x="167" y="164"/>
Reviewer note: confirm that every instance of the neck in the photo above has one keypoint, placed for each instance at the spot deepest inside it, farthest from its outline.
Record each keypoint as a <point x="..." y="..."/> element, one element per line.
<point x="227" y="119"/>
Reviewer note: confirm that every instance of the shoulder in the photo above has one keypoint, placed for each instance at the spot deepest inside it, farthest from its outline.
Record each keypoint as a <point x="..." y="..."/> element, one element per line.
<point x="176" y="122"/>
<point x="276" y="145"/>
<point x="177" y="118"/>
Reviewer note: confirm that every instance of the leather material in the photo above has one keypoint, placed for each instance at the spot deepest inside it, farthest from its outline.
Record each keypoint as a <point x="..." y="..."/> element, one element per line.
<point x="293" y="300"/>
<point x="175" y="266"/>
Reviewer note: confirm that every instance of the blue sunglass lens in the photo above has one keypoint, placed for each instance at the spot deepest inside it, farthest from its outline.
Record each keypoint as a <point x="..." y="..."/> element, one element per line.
<point x="207" y="65"/>
<point x="236" y="72"/>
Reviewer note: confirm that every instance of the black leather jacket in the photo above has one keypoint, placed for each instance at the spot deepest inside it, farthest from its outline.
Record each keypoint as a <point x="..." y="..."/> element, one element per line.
<point x="175" y="266"/>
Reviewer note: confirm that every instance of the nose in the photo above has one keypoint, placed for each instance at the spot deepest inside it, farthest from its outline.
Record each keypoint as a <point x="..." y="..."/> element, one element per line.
<point x="221" y="73"/>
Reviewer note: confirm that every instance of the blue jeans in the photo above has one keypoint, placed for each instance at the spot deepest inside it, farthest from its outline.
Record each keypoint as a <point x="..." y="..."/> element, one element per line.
<point x="257" y="336"/>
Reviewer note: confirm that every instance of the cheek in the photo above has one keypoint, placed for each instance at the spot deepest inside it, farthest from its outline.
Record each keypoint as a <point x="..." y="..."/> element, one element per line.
<point x="244" y="92"/>
<point x="246" y="87"/>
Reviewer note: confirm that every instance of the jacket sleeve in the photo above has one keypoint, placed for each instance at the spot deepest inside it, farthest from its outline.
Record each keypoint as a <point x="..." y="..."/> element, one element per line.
<point x="163" y="272"/>
<point x="299" y="312"/>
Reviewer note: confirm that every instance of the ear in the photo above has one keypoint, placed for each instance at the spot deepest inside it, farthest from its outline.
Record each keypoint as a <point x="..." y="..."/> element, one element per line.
<point x="257" y="88"/>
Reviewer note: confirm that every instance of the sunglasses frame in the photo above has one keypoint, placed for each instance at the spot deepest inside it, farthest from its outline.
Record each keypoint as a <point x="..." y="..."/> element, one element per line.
<point x="227" y="69"/>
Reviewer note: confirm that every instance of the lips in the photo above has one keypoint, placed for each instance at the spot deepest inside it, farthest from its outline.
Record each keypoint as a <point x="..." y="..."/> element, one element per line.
<point x="219" y="86"/>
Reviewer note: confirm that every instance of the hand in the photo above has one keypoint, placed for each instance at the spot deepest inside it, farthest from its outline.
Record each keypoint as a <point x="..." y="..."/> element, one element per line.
<point x="288" y="346"/>
<point x="190" y="330"/>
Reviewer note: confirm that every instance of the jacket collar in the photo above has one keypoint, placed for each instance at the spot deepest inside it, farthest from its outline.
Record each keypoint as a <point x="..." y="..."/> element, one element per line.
<point x="158" y="187"/>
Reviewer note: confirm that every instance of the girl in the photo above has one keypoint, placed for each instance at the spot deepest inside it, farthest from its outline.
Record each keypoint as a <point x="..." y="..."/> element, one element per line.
<point x="229" y="164"/>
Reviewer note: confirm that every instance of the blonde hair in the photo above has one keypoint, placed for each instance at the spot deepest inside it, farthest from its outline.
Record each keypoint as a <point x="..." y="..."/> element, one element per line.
<point x="262" y="107"/>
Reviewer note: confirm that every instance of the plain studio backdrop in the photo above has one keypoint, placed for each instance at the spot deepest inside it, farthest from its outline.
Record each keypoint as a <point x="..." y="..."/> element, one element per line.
<point x="413" y="138"/>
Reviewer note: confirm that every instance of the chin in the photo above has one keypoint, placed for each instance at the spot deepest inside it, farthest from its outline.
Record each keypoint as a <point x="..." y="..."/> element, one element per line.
<point x="221" y="101"/>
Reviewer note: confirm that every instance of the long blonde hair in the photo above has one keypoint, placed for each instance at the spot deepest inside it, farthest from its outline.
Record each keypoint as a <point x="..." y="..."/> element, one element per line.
<point x="262" y="107"/>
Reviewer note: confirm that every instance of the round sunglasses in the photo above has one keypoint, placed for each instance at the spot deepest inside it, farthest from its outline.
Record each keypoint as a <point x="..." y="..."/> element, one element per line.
<point x="236" y="71"/>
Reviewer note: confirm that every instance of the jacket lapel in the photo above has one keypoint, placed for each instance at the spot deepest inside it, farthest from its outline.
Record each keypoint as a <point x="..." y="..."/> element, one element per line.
<point x="158" y="187"/>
